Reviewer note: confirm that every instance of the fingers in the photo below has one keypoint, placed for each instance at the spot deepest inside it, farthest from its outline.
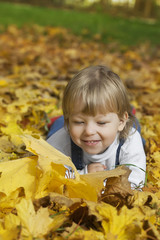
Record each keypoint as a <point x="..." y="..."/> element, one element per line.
<point x="96" y="167"/>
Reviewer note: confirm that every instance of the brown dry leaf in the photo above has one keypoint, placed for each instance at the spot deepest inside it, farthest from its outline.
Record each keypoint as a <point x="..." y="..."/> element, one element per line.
<point x="97" y="179"/>
<point x="62" y="200"/>
<point x="84" y="214"/>
<point x="117" y="190"/>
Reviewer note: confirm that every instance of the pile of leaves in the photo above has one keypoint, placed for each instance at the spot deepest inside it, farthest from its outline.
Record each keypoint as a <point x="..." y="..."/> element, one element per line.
<point x="37" y="201"/>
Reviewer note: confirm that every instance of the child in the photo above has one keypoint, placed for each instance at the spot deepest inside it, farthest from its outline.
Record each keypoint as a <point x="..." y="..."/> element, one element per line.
<point x="98" y="133"/>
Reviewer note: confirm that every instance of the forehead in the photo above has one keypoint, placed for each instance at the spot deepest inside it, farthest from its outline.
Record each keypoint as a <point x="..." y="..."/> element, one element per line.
<point x="98" y="117"/>
<point x="90" y="107"/>
<point x="83" y="110"/>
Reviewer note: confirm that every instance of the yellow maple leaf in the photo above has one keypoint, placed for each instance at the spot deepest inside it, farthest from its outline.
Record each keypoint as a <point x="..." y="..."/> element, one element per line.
<point x="11" y="221"/>
<point x="115" y="226"/>
<point x="9" y="230"/>
<point x="53" y="176"/>
<point x="9" y="234"/>
<point x="19" y="173"/>
<point x="55" y="181"/>
<point x="47" y="154"/>
<point x="7" y="203"/>
<point x="51" y="181"/>
<point x="25" y="173"/>
<point x="80" y="189"/>
<point x="38" y="223"/>
<point x="13" y="130"/>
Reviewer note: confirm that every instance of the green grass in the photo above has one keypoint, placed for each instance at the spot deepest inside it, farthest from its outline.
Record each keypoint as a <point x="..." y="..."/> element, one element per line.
<point x="125" y="31"/>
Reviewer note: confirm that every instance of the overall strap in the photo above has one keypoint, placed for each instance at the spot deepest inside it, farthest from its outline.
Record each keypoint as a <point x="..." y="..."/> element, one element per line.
<point x="121" y="142"/>
<point x="76" y="155"/>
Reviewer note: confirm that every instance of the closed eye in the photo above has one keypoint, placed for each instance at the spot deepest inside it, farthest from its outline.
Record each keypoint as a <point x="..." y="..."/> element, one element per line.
<point x="78" y="122"/>
<point x="102" y="123"/>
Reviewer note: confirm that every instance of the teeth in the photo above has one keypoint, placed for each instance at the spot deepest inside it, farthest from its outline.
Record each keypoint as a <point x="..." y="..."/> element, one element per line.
<point x="92" y="141"/>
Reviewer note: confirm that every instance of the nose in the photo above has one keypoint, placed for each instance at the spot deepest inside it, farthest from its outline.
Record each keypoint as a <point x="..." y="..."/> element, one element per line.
<point x="90" y="129"/>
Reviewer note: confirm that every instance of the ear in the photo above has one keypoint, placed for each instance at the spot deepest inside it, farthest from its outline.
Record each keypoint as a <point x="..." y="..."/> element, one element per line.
<point x="122" y="122"/>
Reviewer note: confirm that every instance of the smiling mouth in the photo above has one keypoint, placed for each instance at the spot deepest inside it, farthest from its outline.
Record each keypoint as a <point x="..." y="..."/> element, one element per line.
<point x="91" y="142"/>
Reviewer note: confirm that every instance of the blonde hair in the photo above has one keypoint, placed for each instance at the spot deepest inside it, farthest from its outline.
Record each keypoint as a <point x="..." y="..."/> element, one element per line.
<point x="101" y="91"/>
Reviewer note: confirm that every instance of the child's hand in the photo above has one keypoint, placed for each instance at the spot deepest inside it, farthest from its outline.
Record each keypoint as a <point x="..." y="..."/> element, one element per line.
<point x="96" y="167"/>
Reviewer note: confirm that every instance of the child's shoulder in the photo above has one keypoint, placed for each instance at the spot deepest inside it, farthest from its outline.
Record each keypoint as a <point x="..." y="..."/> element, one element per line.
<point x="134" y="139"/>
<point x="60" y="140"/>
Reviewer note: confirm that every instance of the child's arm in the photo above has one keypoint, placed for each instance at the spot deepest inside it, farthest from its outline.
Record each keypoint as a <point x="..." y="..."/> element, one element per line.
<point x="133" y="156"/>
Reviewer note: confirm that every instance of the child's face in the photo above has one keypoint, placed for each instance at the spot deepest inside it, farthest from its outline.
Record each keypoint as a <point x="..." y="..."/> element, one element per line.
<point x="94" y="134"/>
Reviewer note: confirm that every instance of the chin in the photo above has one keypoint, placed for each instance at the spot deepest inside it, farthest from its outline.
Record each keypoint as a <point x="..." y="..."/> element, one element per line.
<point x="91" y="152"/>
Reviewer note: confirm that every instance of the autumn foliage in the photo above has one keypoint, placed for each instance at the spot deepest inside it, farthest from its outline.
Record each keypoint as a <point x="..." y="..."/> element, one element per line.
<point x="36" y="200"/>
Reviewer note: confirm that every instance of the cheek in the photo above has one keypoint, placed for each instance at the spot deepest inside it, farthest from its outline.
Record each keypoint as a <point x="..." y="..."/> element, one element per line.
<point x="110" y="132"/>
<point x="74" y="131"/>
<point x="71" y="131"/>
<point x="110" y="135"/>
